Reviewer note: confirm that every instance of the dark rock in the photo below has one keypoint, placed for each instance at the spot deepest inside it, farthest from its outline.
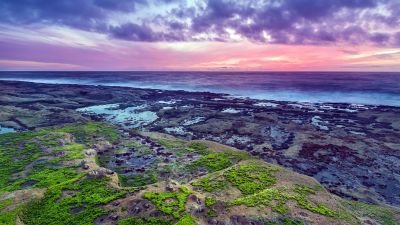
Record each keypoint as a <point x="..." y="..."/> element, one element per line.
<point x="114" y="217"/>
<point x="136" y="210"/>
<point x="116" y="203"/>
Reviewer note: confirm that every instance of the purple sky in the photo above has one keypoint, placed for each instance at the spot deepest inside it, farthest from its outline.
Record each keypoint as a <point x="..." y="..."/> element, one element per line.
<point x="200" y="35"/>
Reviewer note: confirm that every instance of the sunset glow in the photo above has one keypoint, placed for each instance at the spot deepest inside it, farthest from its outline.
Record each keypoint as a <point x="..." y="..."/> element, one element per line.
<point x="200" y="35"/>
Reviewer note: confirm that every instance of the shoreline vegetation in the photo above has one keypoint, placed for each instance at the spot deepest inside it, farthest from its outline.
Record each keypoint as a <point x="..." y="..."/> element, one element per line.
<point x="60" y="179"/>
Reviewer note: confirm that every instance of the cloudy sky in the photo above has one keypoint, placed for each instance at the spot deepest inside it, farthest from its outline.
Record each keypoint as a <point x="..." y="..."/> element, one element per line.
<point x="331" y="35"/>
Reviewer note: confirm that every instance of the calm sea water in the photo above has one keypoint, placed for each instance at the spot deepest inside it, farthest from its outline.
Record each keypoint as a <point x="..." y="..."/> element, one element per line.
<point x="361" y="88"/>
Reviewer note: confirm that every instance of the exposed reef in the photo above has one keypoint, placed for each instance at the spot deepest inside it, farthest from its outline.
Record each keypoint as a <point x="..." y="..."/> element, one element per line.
<point x="352" y="150"/>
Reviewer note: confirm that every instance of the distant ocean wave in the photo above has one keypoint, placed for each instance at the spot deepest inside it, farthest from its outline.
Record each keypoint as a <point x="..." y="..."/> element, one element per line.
<point x="342" y="87"/>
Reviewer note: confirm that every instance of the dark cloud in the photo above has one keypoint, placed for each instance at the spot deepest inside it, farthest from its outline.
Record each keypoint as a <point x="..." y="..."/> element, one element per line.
<point x="134" y="32"/>
<point x="81" y="14"/>
<point x="312" y="22"/>
<point x="380" y="38"/>
<point x="291" y="21"/>
<point x="142" y="32"/>
<point x="125" y="6"/>
<point x="316" y="9"/>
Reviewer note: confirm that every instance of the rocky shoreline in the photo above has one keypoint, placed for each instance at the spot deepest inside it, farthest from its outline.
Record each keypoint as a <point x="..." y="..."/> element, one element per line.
<point x="352" y="150"/>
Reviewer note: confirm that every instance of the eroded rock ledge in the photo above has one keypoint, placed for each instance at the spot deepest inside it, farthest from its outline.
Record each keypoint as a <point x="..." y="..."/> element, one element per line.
<point x="352" y="150"/>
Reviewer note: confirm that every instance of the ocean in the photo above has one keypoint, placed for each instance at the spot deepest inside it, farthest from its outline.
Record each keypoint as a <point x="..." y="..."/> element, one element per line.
<point x="374" y="88"/>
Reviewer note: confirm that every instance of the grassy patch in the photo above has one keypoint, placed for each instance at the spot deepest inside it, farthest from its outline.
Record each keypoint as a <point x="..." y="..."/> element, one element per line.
<point x="199" y="147"/>
<point x="170" y="203"/>
<point x="381" y="214"/>
<point x="55" y="208"/>
<point x="44" y="178"/>
<point x="211" y="184"/>
<point x="9" y="217"/>
<point x="90" y="132"/>
<point x="271" y="197"/>
<point x="171" y="143"/>
<point x="212" y="162"/>
<point x="209" y="202"/>
<point x="18" y="150"/>
<point x="249" y="178"/>
<point x="301" y="198"/>
<point x="138" y="180"/>
<point x="166" y="143"/>
<point x="15" y="155"/>
<point x="305" y="190"/>
<point x="51" y="139"/>
<point x="187" y="219"/>
<point x="73" y="151"/>
<point x="276" y="199"/>
<point x="319" y="208"/>
<point x="5" y="203"/>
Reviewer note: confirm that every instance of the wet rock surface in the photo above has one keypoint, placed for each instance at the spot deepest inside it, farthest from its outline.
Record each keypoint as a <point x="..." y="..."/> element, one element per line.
<point x="140" y="160"/>
<point x="353" y="150"/>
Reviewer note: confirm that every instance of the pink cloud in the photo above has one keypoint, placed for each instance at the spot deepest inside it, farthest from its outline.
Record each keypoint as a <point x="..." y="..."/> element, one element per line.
<point x="126" y="55"/>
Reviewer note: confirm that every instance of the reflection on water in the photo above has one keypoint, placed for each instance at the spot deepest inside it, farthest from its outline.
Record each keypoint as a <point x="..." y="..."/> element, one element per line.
<point x="130" y="117"/>
<point x="4" y="130"/>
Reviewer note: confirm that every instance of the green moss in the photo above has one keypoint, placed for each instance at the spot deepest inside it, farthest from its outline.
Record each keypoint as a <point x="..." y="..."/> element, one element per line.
<point x="212" y="162"/>
<point x="199" y="147"/>
<point x="73" y="151"/>
<point x="9" y="217"/>
<point x="187" y="219"/>
<point x="211" y="185"/>
<point x="170" y="203"/>
<point x="138" y="180"/>
<point x="18" y="150"/>
<point x="319" y="208"/>
<point x="210" y="201"/>
<point x="51" y="139"/>
<point x="276" y="199"/>
<point x="211" y="212"/>
<point x="45" y="178"/>
<point x="5" y="203"/>
<point x="144" y="221"/>
<point x="55" y="208"/>
<point x="15" y="156"/>
<point x="51" y="143"/>
<point x="145" y="151"/>
<point x="90" y="132"/>
<point x="384" y="215"/>
<point x="305" y="190"/>
<point x="171" y="143"/>
<point x="166" y="143"/>
<point x="250" y="178"/>
<point x="271" y="197"/>
<point x="180" y="152"/>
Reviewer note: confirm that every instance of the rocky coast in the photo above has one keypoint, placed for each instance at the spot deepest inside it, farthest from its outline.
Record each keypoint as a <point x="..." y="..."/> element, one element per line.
<point x="351" y="149"/>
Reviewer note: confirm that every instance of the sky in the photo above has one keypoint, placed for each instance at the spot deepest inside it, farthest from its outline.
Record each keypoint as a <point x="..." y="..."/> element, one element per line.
<point x="247" y="35"/>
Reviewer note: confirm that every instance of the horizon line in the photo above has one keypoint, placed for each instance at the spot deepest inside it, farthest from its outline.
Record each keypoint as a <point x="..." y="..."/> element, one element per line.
<point x="209" y="71"/>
